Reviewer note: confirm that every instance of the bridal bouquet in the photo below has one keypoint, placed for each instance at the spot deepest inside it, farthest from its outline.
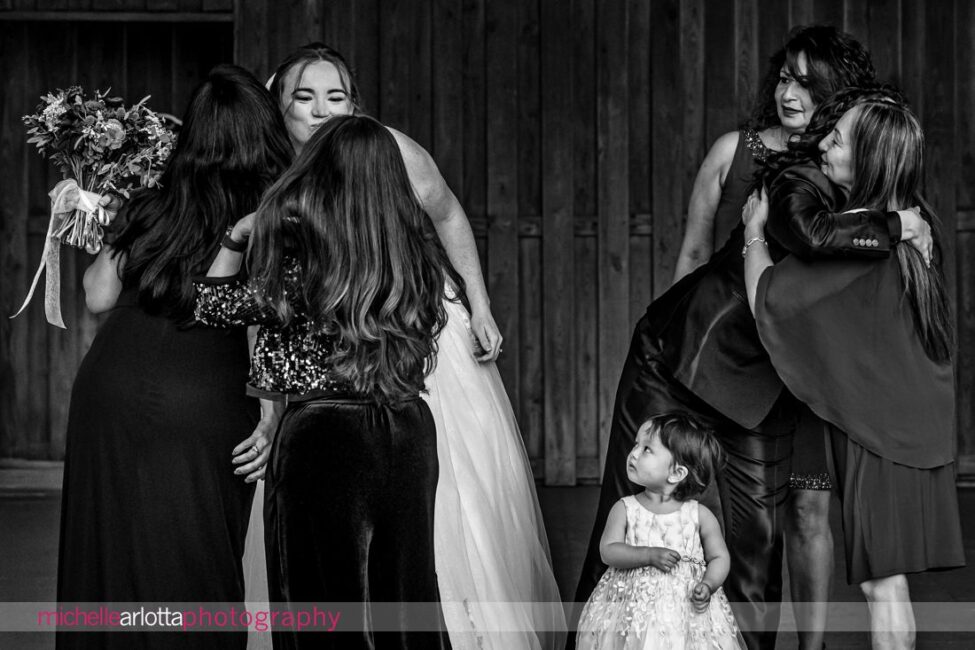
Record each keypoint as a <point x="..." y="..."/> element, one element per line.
<point x="100" y="146"/>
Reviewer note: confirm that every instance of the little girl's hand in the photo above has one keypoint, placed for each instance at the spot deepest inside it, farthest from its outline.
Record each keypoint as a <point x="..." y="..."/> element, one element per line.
<point x="700" y="597"/>
<point x="662" y="558"/>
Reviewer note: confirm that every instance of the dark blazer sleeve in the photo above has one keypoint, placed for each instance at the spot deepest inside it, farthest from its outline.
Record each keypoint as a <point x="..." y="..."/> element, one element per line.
<point x="805" y="219"/>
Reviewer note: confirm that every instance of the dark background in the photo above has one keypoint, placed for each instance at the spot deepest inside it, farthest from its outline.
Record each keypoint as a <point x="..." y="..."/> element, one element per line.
<point x="571" y="131"/>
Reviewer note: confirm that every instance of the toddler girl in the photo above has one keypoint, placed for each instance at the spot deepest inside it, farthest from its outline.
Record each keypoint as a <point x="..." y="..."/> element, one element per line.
<point x="666" y="556"/>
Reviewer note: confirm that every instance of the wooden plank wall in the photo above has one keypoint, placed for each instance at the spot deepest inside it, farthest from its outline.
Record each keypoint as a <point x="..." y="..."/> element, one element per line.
<point x="571" y="130"/>
<point x="38" y="362"/>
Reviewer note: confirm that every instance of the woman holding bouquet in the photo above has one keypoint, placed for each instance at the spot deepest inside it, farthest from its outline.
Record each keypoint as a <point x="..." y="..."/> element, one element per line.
<point x="486" y="505"/>
<point x="150" y="511"/>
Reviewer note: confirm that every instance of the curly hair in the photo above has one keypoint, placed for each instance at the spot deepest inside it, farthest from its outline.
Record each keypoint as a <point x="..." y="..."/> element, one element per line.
<point x="372" y="274"/>
<point x="693" y="445"/>
<point x="834" y="60"/>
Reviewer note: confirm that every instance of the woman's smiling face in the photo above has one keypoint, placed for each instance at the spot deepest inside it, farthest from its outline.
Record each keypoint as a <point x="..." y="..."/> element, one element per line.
<point x="837" y="148"/>
<point x="311" y="96"/>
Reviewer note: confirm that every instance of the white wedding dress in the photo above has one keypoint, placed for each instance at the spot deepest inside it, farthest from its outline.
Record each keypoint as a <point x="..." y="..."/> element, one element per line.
<point x="492" y="556"/>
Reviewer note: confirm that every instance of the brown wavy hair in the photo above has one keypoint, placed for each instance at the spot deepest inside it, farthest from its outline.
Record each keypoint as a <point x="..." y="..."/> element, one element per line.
<point x="372" y="274"/>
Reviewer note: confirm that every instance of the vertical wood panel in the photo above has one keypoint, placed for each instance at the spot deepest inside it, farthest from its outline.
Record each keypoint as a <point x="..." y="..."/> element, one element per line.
<point x="365" y="51"/>
<point x="966" y="344"/>
<point x="667" y="144"/>
<point x="448" y="92"/>
<point x="420" y="87"/>
<point x="502" y="181"/>
<point x="747" y="56"/>
<point x="529" y="134"/>
<point x="773" y="28"/>
<point x="884" y="39"/>
<point x="965" y="76"/>
<point x="394" y="72"/>
<point x="938" y="122"/>
<point x="912" y="53"/>
<point x="719" y="70"/>
<point x="829" y="11"/>
<point x="558" y="271"/>
<point x="585" y="94"/>
<point x="531" y="389"/>
<point x="474" y="108"/>
<point x="614" y="210"/>
<point x="692" y="83"/>
<point x="587" y="408"/>
<point x="63" y="344"/>
<point x="13" y="239"/>
<point x="252" y="36"/>
<point x="639" y="111"/>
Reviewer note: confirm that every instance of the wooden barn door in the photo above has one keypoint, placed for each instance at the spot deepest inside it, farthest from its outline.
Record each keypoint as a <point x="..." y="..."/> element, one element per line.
<point x="572" y="131"/>
<point x="163" y="56"/>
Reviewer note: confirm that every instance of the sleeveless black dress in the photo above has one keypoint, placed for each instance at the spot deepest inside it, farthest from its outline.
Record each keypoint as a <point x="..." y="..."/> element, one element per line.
<point x="151" y="510"/>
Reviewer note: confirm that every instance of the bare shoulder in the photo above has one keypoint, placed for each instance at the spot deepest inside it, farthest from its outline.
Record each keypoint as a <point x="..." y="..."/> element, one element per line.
<point x="723" y="149"/>
<point x="704" y="514"/>
<point x="412" y="152"/>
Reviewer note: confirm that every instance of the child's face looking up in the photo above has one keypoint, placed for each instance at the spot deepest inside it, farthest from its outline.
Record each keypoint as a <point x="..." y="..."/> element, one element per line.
<point x="650" y="464"/>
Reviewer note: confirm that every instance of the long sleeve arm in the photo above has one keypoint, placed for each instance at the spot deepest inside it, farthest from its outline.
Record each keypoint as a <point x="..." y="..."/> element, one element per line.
<point x="804" y="220"/>
<point x="229" y="302"/>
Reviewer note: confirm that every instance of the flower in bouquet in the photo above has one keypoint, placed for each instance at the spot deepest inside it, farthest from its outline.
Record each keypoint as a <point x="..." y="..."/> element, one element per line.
<point x="100" y="146"/>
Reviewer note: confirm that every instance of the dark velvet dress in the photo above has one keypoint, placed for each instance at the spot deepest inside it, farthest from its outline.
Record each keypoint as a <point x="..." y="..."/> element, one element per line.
<point x="151" y="510"/>
<point x="843" y="339"/>
<point x="350" y="487"/>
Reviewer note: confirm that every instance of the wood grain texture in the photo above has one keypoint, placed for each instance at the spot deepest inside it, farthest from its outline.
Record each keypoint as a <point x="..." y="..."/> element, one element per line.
<point x="667" y="143"/>
<point x="613" y="261"/>
<point x="501" y="44"/>
<point x="558" y="273"/>
<point x="15" y="100"/>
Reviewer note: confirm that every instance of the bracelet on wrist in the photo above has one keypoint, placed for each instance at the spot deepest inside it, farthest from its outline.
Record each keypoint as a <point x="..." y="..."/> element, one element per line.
<point x="232" y="244"/>
<point x="751" y="241"/>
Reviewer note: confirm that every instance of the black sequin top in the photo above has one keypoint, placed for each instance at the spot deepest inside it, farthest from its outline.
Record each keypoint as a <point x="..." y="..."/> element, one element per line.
<point x="289" y="360"/>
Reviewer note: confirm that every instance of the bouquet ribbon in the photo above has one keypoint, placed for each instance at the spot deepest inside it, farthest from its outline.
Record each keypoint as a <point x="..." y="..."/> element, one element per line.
<point x="51" y="255"/>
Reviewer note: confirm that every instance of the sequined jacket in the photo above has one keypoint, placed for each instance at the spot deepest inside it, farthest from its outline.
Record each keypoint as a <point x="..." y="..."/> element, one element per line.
<point x="289" y="360"/>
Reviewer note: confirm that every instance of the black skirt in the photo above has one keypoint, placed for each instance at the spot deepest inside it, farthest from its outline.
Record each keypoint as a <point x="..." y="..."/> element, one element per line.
<point x="896" y="519"/>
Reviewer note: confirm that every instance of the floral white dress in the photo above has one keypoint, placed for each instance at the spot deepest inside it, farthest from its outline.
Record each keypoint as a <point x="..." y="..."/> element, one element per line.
<point x="647" y="609"/>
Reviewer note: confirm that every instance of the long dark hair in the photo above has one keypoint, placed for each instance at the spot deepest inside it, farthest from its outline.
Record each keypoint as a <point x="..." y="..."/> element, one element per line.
<point x="888" y="169"/>
<point x="372" y="276"/>
<point x="305" y="56"/>
<point x="834" y="60"/>
<point x="887" y="146"/>
<point x="231" y="146"/>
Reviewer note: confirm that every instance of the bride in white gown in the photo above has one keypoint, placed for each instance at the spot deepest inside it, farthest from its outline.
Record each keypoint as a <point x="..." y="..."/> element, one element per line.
<point x="493" y="564"/>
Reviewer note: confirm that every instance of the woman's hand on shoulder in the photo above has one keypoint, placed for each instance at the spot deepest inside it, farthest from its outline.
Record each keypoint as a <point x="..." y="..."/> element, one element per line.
<point x="916" y="231"/>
